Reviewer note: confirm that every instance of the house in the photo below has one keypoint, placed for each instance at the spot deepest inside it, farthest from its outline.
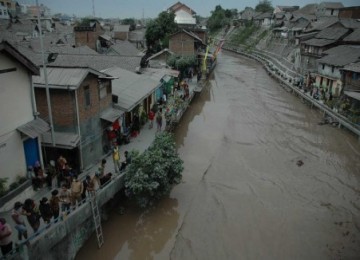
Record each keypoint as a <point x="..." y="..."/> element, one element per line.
<point x="314" y="48"/>
<point x="4" y="13"/>
<point x="121" y="32"/>
<point x="184" y="15"/>
<point x="185" y="43"/>
<point x="352" y="12"/>
<point x="88" y="34"/>
<point x="132" y="93"/>
<point x="284" y="9"/>
<point x="328" y="9"/>
<point x="158" y="60"/>
<point x="78" y="98"/>
<point x="353" y="38"/>
<point x="9" y="5"/>
<point x="328" y="75"/>
<point x="351" y="83"/>
<point x="20" y="127"/>
<point x="264" y="19"/>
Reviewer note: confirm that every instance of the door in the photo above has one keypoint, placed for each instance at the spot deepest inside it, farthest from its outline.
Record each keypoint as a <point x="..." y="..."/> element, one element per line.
<point x="31" y="150"/>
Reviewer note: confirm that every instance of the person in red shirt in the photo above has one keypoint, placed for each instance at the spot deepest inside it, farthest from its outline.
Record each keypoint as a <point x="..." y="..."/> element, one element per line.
<point x="151" y="118"/>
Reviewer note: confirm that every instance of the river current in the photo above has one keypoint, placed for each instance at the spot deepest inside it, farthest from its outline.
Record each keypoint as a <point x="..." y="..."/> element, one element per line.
<point x="244" y="194"/>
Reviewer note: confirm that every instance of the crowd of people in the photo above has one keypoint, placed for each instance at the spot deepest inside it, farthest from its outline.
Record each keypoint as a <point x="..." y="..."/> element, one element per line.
<point x="68" y="192"/>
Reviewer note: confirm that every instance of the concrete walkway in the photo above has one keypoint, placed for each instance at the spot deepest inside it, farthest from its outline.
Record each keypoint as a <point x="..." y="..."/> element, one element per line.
<point x="140" y="143"/>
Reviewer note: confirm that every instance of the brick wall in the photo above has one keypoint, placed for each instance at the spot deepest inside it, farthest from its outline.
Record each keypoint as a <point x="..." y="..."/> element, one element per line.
<point x="62" y="105"/>
<point x="182" y="44"/>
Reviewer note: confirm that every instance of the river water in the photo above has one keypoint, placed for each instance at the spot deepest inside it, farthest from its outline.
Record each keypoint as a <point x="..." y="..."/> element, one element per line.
<point x="243" y="194"/>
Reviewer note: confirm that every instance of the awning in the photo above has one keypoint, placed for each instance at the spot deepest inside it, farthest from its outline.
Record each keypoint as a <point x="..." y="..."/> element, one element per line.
<point x="111" y="114"/>
<point x="353" y="94"/>
<point x="62" y="140"/>
<point x="34" y="128"/>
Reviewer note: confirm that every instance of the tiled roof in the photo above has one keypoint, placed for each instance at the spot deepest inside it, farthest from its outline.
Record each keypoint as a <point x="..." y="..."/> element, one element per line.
<point x="332" y="5"/>
<point x="355" y="67"/>
<point x="319" y="42"/>
<point x="124" y="48"/>
<point x="341" y="55"/>
<point x="98" y="62"/>
<point x="332" y="33"/>
<point x="322" y="23"/>
<point x="353" y="37"/>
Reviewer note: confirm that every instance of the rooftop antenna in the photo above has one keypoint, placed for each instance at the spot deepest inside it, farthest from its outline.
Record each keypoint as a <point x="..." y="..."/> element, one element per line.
<point x="93" y="7"/>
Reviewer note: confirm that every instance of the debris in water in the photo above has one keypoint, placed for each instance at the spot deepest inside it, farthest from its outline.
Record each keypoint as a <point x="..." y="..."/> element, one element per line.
<point x="299" y="163"/>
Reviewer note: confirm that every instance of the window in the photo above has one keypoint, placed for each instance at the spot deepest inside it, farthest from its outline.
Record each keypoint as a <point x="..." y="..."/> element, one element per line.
<point x="87" y="96"/>
<point x="323" y="66"/>
<point x="332" y="11"/>
<point x="102" y="90"/>
<point x="332" y="69"/>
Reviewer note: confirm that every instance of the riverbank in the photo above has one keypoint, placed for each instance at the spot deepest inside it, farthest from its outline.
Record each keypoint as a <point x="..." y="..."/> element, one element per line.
<point x="287" y="78"/>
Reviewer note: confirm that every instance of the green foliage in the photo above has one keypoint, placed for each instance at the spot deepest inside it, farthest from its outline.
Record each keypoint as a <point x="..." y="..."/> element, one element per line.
<point x="219" y="18"/>
<point x="264" y="6"/>
<point x="129" y="21"/>
<point x="158" y="30"/>
<point x="152" y="174"/>
<point x="243" y="34"/>
<point x="181" y="63"/>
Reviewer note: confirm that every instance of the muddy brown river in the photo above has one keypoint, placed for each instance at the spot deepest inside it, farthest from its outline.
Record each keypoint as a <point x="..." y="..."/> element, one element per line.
<point x="243" y="194"/>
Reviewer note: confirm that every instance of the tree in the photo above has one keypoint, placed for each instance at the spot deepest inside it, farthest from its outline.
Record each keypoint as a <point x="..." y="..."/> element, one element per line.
<point x="129" y="21"/>
<point x="220" y="18"/>
<point x="151" y="175"/>
<point x="158" y="30"/>
<point x="264" y="6"/>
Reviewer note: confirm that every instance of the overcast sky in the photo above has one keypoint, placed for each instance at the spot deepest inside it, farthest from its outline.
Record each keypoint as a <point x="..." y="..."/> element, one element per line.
<point x="151" y="8"/>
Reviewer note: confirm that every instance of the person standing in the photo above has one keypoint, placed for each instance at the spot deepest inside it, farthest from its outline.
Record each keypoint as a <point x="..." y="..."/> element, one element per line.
<point x="55" y="204"/>
<point x="86" y="184"/>
<point x="65" y="199"/>
<point x="32" y="214"/>
<point x="116" y="158"/>
<point x="45" y="210"/>
<point x="151" y="118"/>
<point x="17" y="216"/>
<point x="5" y="237"/>
<point x="77" y="188"/>
<point x="159" y="120"/>
<point x="102" y="168"/>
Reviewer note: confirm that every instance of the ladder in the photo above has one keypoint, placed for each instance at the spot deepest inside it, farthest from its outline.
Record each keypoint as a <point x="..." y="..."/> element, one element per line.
<point x="97" y="220"/>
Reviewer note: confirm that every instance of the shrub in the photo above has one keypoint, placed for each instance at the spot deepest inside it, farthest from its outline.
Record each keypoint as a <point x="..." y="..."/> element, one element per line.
<point x="152" y="174"/>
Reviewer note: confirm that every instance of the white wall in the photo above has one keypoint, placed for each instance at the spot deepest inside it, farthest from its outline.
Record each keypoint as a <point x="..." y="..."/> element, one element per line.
<point x="15" y="110"/>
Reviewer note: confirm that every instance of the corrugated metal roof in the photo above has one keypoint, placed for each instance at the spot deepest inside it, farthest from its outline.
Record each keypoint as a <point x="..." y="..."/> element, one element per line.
<point x="130" y="87"/>
<point x="355" y="95"/>
<point x="111" y="114"/>
<point x="34" y="128"/>
<point x="62" y="140"/>
<point x="64" y="77"/>
<point x="125" y="48"/>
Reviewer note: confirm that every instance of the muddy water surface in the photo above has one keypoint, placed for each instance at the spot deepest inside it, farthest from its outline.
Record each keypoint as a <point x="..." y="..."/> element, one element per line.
<point x="243" y="196"/>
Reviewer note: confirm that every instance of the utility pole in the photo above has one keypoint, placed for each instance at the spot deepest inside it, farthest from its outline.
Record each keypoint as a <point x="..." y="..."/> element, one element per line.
<point x="46" y="78"/>
<point x="93" y="7"/>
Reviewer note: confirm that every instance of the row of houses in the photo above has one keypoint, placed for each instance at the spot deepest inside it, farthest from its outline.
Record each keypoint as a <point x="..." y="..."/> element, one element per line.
<point x="319" y="41"/>
<point x="82" y="93"/>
